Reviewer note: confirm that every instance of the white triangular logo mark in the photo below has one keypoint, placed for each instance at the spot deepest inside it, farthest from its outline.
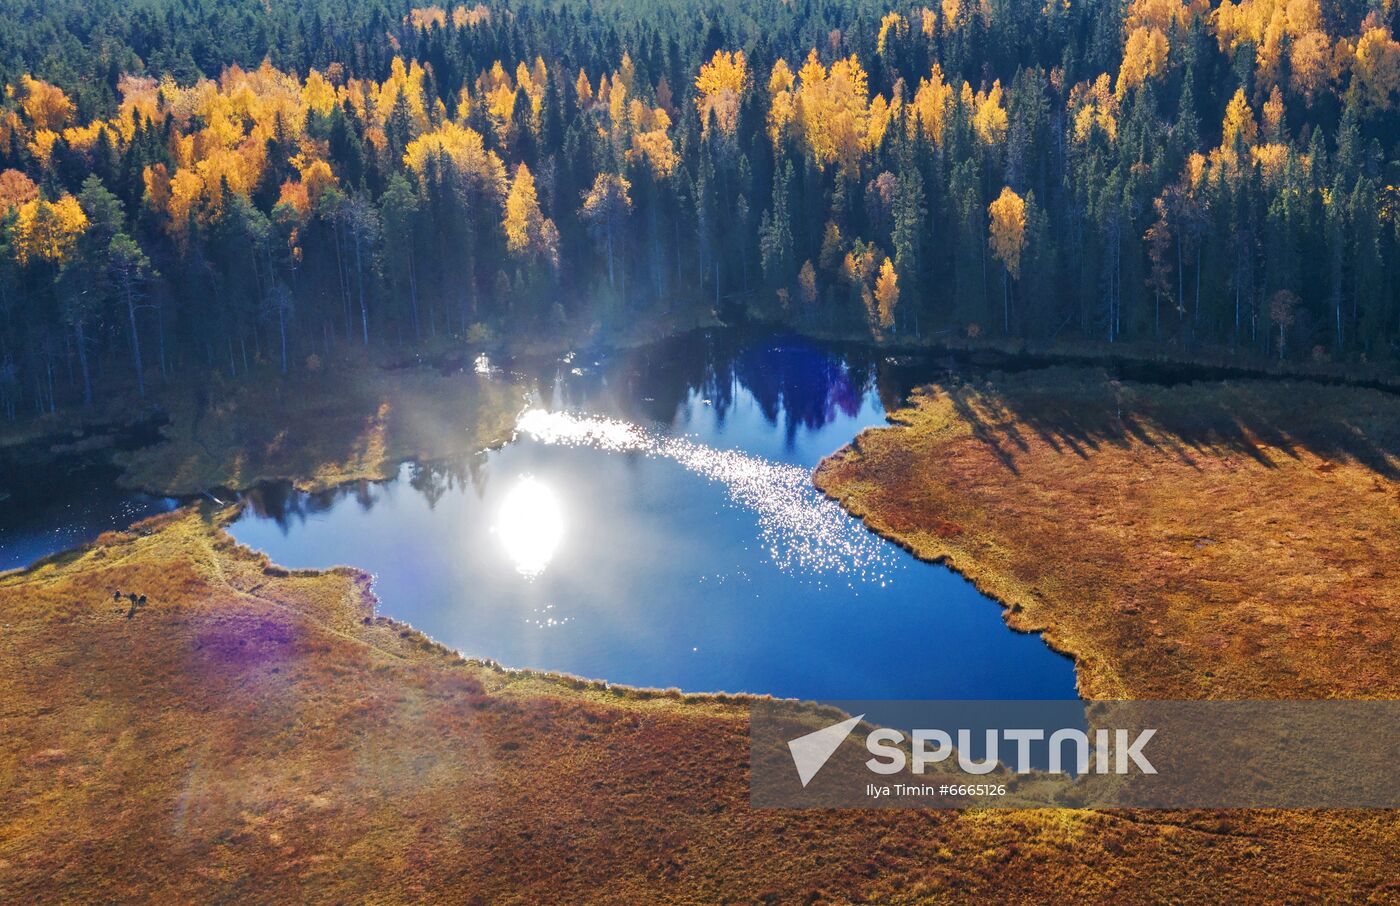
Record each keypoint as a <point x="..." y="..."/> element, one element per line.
<point x="812" y="751"/>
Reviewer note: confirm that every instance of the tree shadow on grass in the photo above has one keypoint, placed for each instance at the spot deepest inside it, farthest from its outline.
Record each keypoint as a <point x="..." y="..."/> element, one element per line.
<point x="1076" y="412"/>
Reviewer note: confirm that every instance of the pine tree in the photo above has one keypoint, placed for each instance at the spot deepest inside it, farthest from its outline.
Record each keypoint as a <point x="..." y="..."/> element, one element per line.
<point x="776" y="234"/>
<point x="910" y="217"/>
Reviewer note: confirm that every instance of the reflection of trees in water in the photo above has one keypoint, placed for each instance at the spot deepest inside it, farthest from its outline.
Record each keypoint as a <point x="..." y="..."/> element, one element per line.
<point x="270" y="501"/>
<point x="897" y="376"/>
<point x="659" y="379"/>
<point x="805" y="383"/>
<point x="435" y="480"/>
<point x="285" y="505"/>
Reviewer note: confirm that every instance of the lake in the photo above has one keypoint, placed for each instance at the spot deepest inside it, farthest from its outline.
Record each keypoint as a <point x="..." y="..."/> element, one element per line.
<point x="58" y="502"/>
<point x="653" y="523"/>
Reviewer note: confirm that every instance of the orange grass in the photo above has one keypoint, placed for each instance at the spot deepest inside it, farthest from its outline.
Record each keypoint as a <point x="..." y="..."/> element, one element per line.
<point x="1227" y="540"/>
<point x="256" y="735"/>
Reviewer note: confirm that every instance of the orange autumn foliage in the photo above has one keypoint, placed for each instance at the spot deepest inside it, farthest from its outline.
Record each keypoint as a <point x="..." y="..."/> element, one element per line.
<point x="16" y="189"/>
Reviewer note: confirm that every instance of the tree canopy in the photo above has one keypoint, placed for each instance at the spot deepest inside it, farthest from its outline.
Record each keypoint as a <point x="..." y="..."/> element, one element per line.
<point x="233" y="182"/>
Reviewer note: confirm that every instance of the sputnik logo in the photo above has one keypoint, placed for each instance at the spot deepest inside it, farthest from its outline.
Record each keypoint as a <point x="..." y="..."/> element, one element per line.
<point x="811" y="752"/>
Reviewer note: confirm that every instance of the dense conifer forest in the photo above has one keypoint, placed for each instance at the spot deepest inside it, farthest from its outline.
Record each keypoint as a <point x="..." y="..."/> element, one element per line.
<point x="223" y="185"/>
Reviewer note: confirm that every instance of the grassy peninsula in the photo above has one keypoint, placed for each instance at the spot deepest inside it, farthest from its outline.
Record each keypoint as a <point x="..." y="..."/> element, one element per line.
<point x="1208" y="540"/>
<point x="256" y="733"/>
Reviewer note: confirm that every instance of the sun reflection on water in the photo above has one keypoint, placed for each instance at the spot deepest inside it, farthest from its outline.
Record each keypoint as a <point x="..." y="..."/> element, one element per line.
<point x="802" y="531"/>
<point x="530" y="525"/>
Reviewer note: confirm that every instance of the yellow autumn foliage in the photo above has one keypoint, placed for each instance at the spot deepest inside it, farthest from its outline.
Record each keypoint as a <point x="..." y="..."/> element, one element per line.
<point x="928" y="22"/>
<point x="1377" y="66"/>
<point x="1278" y="29"/>
<point x="720" y="86"/>
<point x="529" y="234"/>
<point x="651" y="139"/>
<point x="46" y="231"/>
<point x="1238" y="124"/>
<point x="990" y="120"/>
<point x="930" y="104"/>
<point x="892" y="27"/>
<point x="833" y="110"/>
<point x="294" y="195"/>
<point x="318" y="94"/>
<point x="1006" y="227"/>
<point x="782" y="105"/>
<point x="1093" y="105"/>
<point x="46" y="105"/>
<point x="1144" y="58"/>
<point x="1163" y="15"/>
<point x="41" y="146"/>
<point x="1271" y="159"/>
<point x="886" y="294"/>
<point x="464" y="148"/>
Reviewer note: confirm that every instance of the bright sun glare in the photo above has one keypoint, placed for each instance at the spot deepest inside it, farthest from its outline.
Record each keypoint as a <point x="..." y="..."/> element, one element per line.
<point x="530" y="525"/>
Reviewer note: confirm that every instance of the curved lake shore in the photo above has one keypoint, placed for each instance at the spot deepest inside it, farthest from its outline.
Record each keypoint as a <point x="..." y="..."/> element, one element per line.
<point x="253" y="726"/>
<point x="256" y="726"/>
<point x="1211" y="540"/>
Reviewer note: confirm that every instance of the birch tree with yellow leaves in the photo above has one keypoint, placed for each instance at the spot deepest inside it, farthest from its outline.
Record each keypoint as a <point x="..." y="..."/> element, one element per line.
<point x="387" y="179"/>
<point x="530" y="235"/>
<point x="1006" y="226"/>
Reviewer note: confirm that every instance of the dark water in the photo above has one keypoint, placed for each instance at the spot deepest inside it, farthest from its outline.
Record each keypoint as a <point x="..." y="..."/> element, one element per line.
<point x="654" y="524"/>
<point x="28" y="534"/>
<point x="50" y="503"/>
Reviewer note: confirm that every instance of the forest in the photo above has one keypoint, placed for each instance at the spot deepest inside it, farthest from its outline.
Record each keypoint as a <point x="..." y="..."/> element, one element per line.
<point x="209" y="186"/>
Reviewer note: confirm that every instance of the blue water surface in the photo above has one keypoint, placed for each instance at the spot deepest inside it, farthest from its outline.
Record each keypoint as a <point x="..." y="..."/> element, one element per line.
<point x="653" y="524"/>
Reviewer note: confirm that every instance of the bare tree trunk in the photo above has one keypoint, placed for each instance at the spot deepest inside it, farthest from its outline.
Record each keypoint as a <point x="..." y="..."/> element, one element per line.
<point x="1180" y="284"/>
<point x="360" y="283"/>
<point x="413" y="296"/>
<point x="160" y="338"/>
<point x="1006" y="300"/>
<point x="83" y="362"/>
<point x="340" y="275"/>
<point x="282" y="330"/>
<point x="611" y="282"/>
<point x="135" y="338"/>
<point x="1196" y="312"/>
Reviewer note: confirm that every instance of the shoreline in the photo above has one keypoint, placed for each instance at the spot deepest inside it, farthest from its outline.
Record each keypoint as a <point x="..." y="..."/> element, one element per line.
<point x="258" y="724"/>
<point x="1023" y="608"/>
<point x="114" y="423"/>
<point x="1180" y="583"/>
